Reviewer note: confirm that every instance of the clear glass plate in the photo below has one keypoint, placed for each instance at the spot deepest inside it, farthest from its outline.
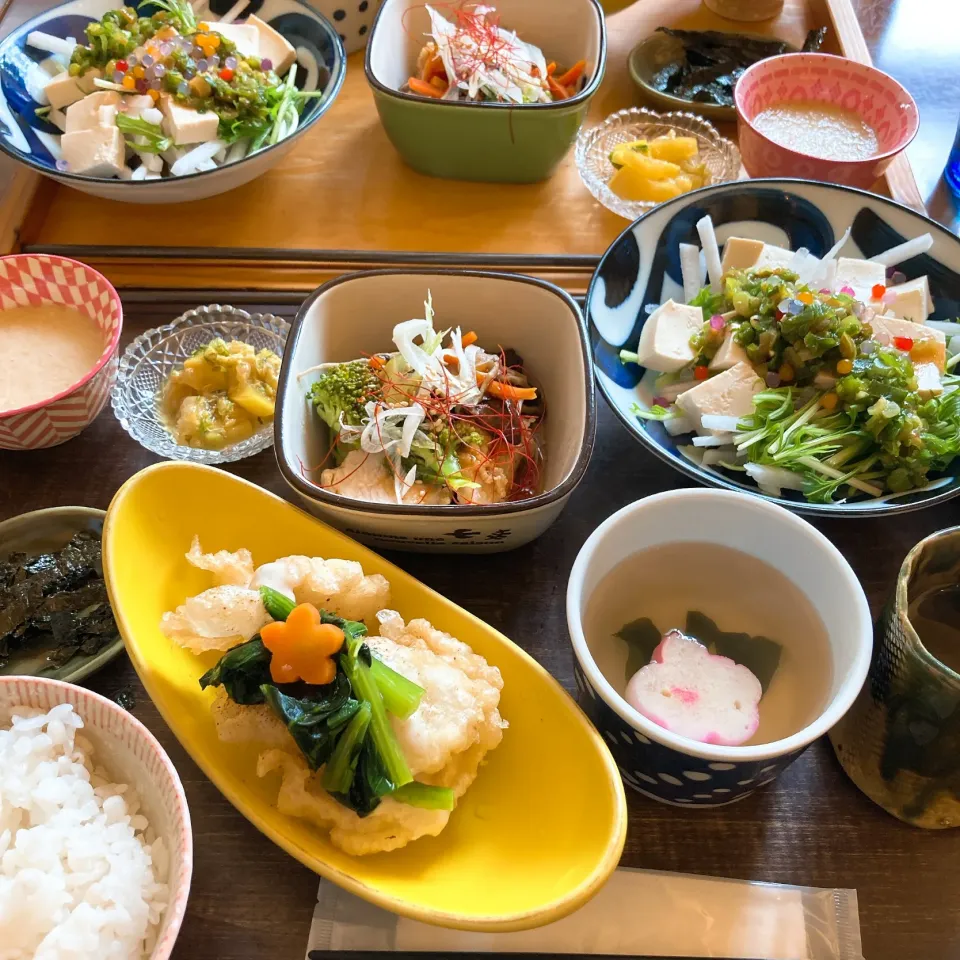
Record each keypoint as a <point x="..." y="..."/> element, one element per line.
<point x="149" y="360"/>
<point x="637" y="123"/>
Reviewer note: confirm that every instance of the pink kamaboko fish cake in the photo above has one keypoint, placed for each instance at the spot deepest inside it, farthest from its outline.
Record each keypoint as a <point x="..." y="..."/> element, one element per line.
<point x="697" y="694"/>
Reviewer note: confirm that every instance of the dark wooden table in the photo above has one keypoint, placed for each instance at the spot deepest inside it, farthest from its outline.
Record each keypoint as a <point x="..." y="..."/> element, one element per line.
<point x="250" y="900"/>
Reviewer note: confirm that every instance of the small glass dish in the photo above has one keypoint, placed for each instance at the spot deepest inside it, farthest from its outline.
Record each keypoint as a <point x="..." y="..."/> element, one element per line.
<point x="637" y="123"/>
<point x="152" y="357"/>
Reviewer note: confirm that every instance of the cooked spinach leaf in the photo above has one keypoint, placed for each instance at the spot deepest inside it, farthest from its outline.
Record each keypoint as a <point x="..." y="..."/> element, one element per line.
<point x="242" y="671"/>
<point x="317" y="721"/>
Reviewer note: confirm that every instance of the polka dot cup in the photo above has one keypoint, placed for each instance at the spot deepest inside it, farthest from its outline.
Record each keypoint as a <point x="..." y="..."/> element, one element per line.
<point x="666" y="766"/>
<point x="352" y="19"/>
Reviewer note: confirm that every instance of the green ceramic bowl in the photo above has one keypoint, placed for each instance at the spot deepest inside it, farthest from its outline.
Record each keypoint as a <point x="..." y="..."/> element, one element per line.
<point x="34" y="533"/>
<point x="485" y="141"/>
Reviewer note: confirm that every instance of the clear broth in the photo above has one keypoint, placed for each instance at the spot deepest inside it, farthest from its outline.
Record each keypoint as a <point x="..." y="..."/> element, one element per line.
<point x="738" y="592"/>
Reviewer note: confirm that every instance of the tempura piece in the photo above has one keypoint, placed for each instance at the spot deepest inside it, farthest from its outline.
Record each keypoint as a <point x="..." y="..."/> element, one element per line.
<point x="444" y="742"/>
<point x="235" y="569"/>
<point x="391" y="826"/>
<point x="217" y="619"/>
<point x="459" y="707"/>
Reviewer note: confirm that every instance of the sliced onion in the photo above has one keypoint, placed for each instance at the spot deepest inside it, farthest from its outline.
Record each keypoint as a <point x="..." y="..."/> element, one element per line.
<point x="678" y="426"/>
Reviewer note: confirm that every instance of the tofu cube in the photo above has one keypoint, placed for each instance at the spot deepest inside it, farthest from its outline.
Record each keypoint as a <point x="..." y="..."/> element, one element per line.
<point x="929" y="345"/>
<point x="739" y="254"/>
<point x="94" y="153"/>
<point x="772" y="257"/>
<point x="928" y="380"/>
<point x="136" y="105"/>
<point x="86" y="83"/>
<point x="729" y="354"/>
<point x="273" y="45"/>
<point x="861" y="275"/>
<point x="63" y="90"/>
<point x="913" y="300"/>
<point x="665" y="338"/>
<point x="85" y="114"/>
<point x="728" y="394"/>
<point x="186" y="125"/>
<point x="245" y="36"/>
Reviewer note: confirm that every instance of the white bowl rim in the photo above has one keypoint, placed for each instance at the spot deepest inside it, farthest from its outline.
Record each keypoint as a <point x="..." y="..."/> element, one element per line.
<point x="317" y="494"/>
<point x="797" y="526"/>
<point x="176" y="905"/>
<point x="110" y="348"/>
<point x="337" y="76"/>
<point x="585" y="94"/>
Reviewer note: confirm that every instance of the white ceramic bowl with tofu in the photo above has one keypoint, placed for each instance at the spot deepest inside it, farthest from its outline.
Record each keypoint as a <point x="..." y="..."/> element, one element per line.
<point x="93" y="147"/>
<point x="636" y="303"/>
<point x="354" y="316"/>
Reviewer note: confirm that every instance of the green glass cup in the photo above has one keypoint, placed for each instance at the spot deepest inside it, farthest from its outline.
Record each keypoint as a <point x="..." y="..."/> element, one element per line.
<point x="900" y="742"/>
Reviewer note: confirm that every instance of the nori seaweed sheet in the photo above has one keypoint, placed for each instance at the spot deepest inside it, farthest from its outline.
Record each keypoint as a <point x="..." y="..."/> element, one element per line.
<point x="711" y="62"/>
<point x="56" y="601"/>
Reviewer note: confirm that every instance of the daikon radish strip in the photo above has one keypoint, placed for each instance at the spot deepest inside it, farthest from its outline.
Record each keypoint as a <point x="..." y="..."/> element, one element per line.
<point x="708" y="239"/>
<point x="51" y="44"/>
<point x="726" y="440"/>
<point x="904" y="251"/>
<point x="948" y="327"/>
<point x="713" y="421"/>
<point x="690" y="270"/>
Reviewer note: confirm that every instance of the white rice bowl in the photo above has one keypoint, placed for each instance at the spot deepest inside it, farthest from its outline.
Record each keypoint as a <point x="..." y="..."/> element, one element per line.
<point x="82" y="873"/>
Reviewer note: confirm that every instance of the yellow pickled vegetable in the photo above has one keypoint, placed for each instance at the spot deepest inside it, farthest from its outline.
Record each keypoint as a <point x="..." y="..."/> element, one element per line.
<point x="658" y="169"/>
<point x="674" y="149"/>
<point x="631" y="185"/>
<point x="221" y="395"/>
<point x="648" y="167"/>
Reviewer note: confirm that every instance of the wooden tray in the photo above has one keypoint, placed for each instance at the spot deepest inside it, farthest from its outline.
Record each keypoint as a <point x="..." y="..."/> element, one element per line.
<point x="344" y="200"/>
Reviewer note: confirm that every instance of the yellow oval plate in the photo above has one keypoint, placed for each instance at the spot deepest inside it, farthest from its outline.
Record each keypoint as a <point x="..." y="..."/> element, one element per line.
<point x="536" y="835"/>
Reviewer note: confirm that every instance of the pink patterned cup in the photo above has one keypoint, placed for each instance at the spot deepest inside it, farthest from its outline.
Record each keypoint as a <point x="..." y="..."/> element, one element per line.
<point x="27" y="279"/>
<point x="876" y="97"/>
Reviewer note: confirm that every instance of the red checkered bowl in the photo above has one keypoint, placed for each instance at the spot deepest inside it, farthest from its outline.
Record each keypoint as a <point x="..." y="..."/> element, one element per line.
<point x="823" y="78"/>
<point x="130" y="754"/>
<point x="27" y="279"/>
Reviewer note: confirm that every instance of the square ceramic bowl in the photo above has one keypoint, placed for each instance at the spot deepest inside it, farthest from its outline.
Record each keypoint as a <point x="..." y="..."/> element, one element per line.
<point x="354" y="316"/>
<point x="664" y="765"/>
<point x="35" y="279"/>
<point x="495" y="142"/>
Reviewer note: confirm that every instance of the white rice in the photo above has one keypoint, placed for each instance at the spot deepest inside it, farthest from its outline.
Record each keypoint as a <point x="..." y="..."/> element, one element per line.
<point x="79" y="866"/>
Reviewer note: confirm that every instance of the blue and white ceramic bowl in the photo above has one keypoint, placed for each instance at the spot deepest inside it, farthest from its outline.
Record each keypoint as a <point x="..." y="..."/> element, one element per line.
<point x="33" y="141"/>
<point x="664" y="765"/>
<point x="642" y="267"/>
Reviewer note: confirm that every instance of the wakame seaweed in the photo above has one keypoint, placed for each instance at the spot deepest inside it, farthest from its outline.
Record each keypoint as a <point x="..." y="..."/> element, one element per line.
<point x="708" y="63"/>
<point x="56" y="602"/>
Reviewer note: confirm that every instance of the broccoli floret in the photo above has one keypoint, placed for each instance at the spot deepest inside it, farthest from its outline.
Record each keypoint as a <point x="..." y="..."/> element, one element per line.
<point x="341" y="394"/>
